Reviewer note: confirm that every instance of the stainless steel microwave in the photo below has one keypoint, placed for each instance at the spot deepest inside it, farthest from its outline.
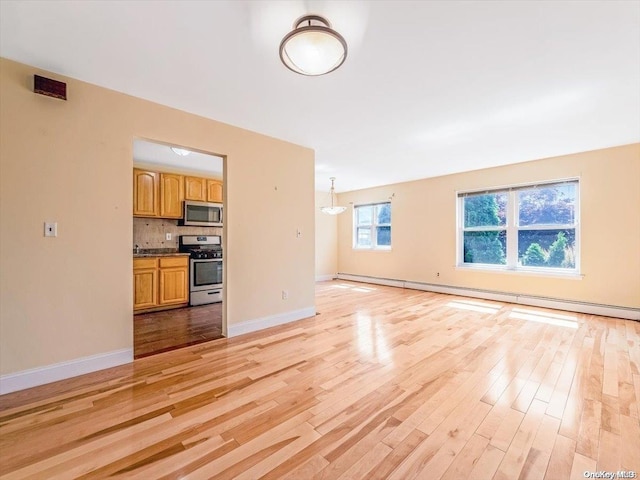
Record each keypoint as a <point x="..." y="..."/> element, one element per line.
<point x="202" y="214"/>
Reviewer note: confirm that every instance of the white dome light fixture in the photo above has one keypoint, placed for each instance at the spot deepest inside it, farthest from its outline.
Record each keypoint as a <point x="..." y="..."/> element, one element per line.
<point x="180" y="151"/>
<point x="333" y="209"/>
<point x="312" y="48"/>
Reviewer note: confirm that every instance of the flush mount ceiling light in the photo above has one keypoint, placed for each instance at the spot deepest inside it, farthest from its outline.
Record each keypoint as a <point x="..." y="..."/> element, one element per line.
<point x="312" y="47"/>
<point x="180" y="151"/>
<point x="333" y="209"/>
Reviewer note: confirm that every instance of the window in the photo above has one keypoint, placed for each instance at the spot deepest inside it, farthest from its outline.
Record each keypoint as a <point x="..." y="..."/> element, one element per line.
<point x="532" y="227"/>
<point x="372" y="226"/>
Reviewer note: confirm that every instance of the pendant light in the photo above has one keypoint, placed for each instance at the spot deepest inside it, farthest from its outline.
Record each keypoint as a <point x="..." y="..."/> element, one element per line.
<point x="313" y="47"/>
<point x="333" y="209"/>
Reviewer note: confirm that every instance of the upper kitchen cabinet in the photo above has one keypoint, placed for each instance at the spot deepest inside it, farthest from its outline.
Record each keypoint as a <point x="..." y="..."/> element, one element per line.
<point x="214" y="191"/>
<point x="145" y="193"/>
<point x="171" y="195"/>
<point x="195" y="188"/>
<point x="203" y="189"/>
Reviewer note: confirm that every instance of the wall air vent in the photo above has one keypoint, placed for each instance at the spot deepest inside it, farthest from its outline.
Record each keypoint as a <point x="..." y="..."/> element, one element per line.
<point x="49" y="87"/>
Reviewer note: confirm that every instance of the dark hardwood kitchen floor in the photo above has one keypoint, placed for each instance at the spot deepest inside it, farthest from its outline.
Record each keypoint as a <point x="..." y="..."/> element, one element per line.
<point x="159" y="332"/>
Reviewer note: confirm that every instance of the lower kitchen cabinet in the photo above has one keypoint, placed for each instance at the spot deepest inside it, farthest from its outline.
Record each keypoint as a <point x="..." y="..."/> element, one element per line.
<point x="145" y="283"/>
<point x="174" y="280"/>
<point x="160" y="283"/>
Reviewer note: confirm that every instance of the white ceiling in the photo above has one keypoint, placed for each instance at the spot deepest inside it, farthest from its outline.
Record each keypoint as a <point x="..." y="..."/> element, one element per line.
<point x="145" y="152"/>
<point x="428" y="88"/>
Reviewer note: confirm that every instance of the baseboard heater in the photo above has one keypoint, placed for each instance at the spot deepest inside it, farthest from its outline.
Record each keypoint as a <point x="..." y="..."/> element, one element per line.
<point x="531" y="300"/>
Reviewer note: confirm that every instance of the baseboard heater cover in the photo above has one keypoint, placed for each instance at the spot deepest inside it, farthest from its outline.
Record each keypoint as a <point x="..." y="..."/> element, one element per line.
<point x="531" y="300"/>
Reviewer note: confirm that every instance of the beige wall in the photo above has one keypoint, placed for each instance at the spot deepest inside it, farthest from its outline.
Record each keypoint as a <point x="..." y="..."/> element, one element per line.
<point x="69" y="297"/>
<point x="424" y="229"/>
<point x="326" y="239"/>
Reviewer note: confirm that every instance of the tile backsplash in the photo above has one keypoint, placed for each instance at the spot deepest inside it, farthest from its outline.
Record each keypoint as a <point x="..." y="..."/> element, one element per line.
<point x="150" y="232"/>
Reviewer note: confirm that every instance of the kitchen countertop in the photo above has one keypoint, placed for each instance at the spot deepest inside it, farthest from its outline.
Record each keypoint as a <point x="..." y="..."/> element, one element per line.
<point x="158" y="252"/>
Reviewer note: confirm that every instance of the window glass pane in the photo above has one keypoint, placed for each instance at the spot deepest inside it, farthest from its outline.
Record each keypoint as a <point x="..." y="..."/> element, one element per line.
<point x="364" y="237"/>
<point x="547" y="248"/>
<point x="383" y="237"/>
<point x="365" y="215"/>
<point x="383" y="213"/>
<point x="485" y="210"/>
<point x="485" y="247"/>
<point x="550" y="205"/>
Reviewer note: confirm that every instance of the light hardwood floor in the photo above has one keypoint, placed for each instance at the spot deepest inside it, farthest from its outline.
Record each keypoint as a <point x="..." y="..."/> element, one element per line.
<point x="383" y="383"/>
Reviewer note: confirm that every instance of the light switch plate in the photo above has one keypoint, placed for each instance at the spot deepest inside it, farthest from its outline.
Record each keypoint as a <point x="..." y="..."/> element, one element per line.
<point x="50" y="229"/>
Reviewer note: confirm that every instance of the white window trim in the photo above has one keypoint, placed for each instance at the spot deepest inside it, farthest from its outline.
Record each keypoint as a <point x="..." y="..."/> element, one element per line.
<point x="374" y="245"/>
<point x="512" y="230"/>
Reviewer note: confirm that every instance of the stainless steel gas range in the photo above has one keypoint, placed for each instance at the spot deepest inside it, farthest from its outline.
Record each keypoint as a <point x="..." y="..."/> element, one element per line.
<point x="205" y="267"/>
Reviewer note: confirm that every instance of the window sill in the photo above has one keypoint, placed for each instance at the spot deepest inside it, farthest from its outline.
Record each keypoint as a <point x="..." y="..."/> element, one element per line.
<point x="533" y="273"/>
<point x="364" y="249"/>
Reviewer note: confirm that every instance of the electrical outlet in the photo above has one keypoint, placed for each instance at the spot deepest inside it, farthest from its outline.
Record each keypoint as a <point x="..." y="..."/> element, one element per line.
<point x="168" y="236"/>
<point x="437" y="274"/>
<point x="285" y="294"/>
<point x="50" y="229"/>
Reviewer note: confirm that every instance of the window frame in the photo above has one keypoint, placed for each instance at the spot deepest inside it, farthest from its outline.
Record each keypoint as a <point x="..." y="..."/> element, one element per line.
<point x="512" y="230"/>
<point x="373" y="226"/>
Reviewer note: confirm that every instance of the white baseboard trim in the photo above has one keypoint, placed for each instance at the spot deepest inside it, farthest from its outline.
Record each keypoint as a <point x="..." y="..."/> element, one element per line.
<point x="59" y="371"/>
<point x="555" y="303"/>
<point x="270" y="321"/>
<point x="324" y="278"/>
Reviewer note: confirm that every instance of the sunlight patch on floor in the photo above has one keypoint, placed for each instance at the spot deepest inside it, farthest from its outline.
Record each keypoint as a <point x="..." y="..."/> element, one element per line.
<point x="372" y="339"/>
<point x="355" y="288"/>
<point x="560" y="320"/>
<point x="480" y="307"/>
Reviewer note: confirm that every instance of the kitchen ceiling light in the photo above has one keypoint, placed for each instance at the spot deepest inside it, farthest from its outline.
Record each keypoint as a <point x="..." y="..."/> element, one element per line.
<point x="312" y="47"/>
<point x="333" y="209"/>
<point x="180" y="151"/>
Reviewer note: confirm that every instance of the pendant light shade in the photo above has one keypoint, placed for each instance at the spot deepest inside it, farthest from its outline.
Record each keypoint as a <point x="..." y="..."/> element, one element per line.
<point x="333" y="209"/>
<point x="312" y="47"/>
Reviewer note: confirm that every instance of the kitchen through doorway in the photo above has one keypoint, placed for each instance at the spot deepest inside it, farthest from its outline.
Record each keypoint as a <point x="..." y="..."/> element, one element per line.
<point x="177" y="245"/>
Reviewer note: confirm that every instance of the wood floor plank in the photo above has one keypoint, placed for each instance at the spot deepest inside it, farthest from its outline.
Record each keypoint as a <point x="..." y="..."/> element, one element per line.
<point x="507" y="430"/>
<point x="630" y="444"/>
<point x="580" y="465"/>
<point x="535" y="465"/>
<point x="609" y="451"/>
<point x="468" y="457"/>
<point x="588" y="436"/>
<point x="561" y="460"/>
<point x="519" y="449"/>
<point x="385" y="383"/>
<point x="487" y="464"/>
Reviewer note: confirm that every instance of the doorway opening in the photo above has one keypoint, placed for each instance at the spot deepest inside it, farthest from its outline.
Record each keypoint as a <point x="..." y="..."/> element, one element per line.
<point x="178" y="244"/>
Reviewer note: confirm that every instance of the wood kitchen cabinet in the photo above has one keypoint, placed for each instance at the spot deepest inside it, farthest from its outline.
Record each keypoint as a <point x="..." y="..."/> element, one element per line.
<point x="174" y="280"/>
<point x="146" y="198"/>
<point x="158" y="194"/>
<point x="203" y="189"/>
<point x="195" y="188"/>
<point x="171" y="195"/>
<point x="214" y="191"/>
<point x="160" y="283"/>
<point x="145" y="283"/>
